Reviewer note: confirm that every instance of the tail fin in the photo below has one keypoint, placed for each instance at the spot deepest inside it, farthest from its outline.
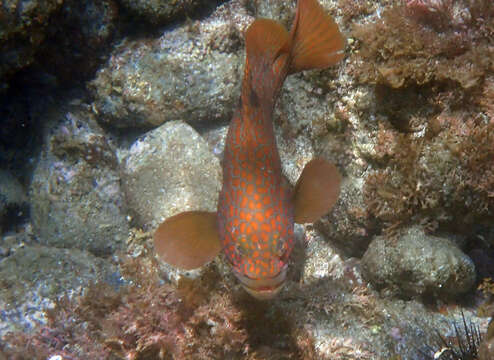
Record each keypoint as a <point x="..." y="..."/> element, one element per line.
<point x="317" y="41"/>
<point x="265" y="39"/>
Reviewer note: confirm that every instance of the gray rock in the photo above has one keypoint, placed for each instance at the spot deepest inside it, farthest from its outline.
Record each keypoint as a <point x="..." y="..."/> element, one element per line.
<point x="33" y="277"/>
<point x="80" y="34"/>
<point x="346" y="225"/>
<point x="191" y="72"/>
<point x="76" y="200"/>
<point x="281" y="11"/>
<point x="61" y="35"/>
<point x="12" y="194"/>
<point x="159" y="11"/>
<point x="321" y="261"/>
<point x="418" y="264"/>
<point x="22" y="30"/>
<point x="170" y="170"/>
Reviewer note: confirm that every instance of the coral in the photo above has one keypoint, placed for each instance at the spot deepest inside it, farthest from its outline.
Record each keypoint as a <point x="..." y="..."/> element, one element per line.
<point x="486" y="101"/>
<point x="159" y="321"/>
<point x="143" y="321"/>
<point x="433" y="158"/>
<point x="487" y="289"/>
<point x="433" y="181"/>
<point x="418" y="42"/>
<point x="196" y="319"/>
<point x="147" y="319"/>
<point x="72" y="330"/>
<point x="437" y="13"/>
<point x="354" y="8"/>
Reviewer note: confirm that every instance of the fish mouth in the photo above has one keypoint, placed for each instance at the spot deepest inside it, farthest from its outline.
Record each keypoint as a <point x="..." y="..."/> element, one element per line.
<point x="263" y="288"/>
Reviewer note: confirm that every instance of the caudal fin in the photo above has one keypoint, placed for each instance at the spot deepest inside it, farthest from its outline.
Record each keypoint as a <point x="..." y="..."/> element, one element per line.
<point x="317" y="41"/>
<point x="265" y="39"/>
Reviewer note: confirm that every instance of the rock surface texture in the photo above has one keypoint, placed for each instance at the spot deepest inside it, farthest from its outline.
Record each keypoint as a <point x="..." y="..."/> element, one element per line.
<point x="170" y="170"/>
<point x="76" y="199"/>
<point x="418" y="264"/>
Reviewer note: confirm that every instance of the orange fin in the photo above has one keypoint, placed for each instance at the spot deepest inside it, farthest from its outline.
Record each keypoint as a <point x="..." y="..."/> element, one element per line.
<point x="316" y="191"/>
<point x="317" y="41"/>
<point x="265" y="39"/>
<point x="188" y="240"/>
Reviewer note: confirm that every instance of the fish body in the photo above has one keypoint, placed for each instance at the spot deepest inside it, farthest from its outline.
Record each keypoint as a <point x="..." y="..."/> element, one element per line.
<point x="257" y="208"/>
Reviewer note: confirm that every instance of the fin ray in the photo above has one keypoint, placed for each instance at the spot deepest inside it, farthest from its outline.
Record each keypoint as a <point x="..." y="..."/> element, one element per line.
<point x="317" y="41"/>
<point x="264" y="39"/>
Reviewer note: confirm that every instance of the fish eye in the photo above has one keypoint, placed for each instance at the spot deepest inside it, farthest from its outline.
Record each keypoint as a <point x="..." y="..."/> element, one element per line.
<point x="281" y="248"/>
<point x="279" y="245"/>
<point x="241" y="248"/>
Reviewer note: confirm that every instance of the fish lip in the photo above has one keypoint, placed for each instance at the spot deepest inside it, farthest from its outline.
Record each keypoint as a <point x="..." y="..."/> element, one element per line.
<point x="264" y="288"/>
<point x="264" y="294"/>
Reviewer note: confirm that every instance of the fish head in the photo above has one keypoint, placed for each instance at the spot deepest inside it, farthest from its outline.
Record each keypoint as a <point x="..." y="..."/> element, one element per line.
<point x="263" y="288"/>
<point x="261" y="263"/>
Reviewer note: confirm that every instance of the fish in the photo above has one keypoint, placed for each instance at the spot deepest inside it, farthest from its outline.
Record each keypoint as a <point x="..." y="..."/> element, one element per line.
<point x="257" y="208"/>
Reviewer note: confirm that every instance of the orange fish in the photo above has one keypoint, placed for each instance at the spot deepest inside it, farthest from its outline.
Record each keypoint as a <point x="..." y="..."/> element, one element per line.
<point x="257" y="208"/>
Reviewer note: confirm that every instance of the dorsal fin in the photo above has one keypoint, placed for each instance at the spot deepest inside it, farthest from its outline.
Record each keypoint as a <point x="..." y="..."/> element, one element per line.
<point x="188" y="240"/>
<point x="317" y="41"/>
<point x="265" y="39"/>
<point x="316" y="191"/>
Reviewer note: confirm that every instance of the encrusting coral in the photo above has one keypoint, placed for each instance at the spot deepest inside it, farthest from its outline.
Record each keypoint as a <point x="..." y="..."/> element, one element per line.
<point x="440" y="179"/>
<point x="433" y="160"/>
<point x="145" y="318"/>
<point x="417" y="42"/>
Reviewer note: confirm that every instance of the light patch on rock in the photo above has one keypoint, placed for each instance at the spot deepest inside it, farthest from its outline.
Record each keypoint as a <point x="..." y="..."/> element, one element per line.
<point x="168" y="171"/>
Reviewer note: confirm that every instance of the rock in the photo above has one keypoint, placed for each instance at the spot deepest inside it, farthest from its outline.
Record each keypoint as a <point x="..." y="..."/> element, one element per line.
<point x="76" y="201"/>
<point x="160" y="12"/>
<point x="170" y="170"/>
<point x="33" y="277"/>
<point x="418" y="264"/>
<point x="272" y="9"/>
<point x="191" y="73"/>
<point x="12" y="196"/>
<point x="62" y="35"/>
<point x="79" y="38"/>
<point x="17" y="238"/>
<point x="22" y="30"/>
<point x="346" y="225"/>
<point x="321" y="262"/>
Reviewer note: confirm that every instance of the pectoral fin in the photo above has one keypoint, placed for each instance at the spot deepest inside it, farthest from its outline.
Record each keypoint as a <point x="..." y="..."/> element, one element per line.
<point x="188" y="240"/>
<point x="316" y="191"/>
